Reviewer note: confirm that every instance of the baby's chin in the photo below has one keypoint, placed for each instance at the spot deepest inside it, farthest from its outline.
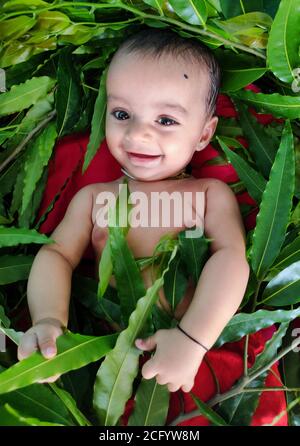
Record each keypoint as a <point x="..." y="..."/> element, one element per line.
<point x="145" y="176"/>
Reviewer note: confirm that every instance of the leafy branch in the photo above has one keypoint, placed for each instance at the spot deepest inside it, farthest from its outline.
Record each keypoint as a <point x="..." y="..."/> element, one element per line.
<point x="241" y="387"/>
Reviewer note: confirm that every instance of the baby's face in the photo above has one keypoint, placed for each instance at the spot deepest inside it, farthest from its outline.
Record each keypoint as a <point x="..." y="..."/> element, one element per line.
<point x="156" y="107"/>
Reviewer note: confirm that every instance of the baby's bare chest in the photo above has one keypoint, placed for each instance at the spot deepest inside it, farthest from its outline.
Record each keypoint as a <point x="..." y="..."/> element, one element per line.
<point x="154" y="212"/>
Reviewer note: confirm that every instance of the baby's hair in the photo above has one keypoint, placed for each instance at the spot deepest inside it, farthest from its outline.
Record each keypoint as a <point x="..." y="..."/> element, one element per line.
<point x="158" y="42"/>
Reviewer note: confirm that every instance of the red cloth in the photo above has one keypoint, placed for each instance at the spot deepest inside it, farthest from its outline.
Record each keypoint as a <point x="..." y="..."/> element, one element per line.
<point x="227" y="365"/>
<point x="227" y="362"/>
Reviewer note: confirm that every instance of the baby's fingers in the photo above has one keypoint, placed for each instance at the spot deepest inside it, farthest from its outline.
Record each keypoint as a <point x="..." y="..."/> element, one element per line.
<point x="150" y="369"/>
<point x="28" y="345"/>
<point x="47" y="344"/>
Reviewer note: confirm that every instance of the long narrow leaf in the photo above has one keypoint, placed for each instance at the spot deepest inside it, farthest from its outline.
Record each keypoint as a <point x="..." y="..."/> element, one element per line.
<point x="275" y="207"/>
<point x="254" y="182"/>
<point x="97" y="132"/>
<point x="16" y="236"/>
<point x="14" y="268"/>
<point x="114" y="379"/>
<point x="151" y="404"/>
<point x="24" y="95"/>
<point x="243" y="323"/>
<point x="73" y="351"/>
<point x="284" y="41"/>
<point x="210" y="414"/>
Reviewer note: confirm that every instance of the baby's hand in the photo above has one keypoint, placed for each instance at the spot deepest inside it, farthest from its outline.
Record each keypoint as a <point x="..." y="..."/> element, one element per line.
<point x="176" y="360"/>
<point x="42" y="336"/>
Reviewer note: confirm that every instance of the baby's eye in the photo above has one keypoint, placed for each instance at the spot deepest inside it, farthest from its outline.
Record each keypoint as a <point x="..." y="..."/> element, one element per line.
<point x="166" y="122"/>
<point x="119" y="114"/>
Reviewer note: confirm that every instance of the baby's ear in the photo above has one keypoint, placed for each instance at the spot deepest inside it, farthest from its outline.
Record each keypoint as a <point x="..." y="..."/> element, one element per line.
<point x="208" y="132"/>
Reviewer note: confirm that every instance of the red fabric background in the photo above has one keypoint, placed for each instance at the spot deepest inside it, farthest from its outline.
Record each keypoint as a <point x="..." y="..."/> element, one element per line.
<point x="227" y="361"/>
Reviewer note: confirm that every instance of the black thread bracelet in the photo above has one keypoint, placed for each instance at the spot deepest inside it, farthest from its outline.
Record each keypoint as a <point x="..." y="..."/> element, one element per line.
<point x="197" y="342"/>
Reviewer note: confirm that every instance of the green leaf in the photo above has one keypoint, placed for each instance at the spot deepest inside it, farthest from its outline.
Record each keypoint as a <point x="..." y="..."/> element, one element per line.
<point x="70" y="404"/>
<point x="16" y="27"/>
<point x="98" y="122"/>
<point x="3" y="319"/>
<point x="288" y="255"/>
<point x="113" y="386"/>
<point x="233" y="9"/>
<point x="11" y="417"/>
<point x="277" y="104"/>
<point x="156" y="4"/>
<point x="18" y="190"/>
<point x="16" y="74"/>
<point x="38" y="157"/>
<point x="27" y="219"/>
<point x="262" y="146"/>
<point x="105" y="269"/>
<point x="271" y="348"/>
<point x="24" y="95"/>
<point x="85" y="290"/>
<point x="73" y="351"/>
<point x="14" y="5"/>
<point x="283" y="289"/>
<point x="68" y="94"/>
<point x="175" y="283"/>
<point x="14" y="268"/>
<point x="243" y="323"/>
<point x="118" y="213"/>
<point x="238" y="70"/>
<point x="236" y="78"/>
<point x="129" y="282"/>
<point x="32" y="118"/>
<point x="193" y="12"/>
<point x="239" y="409"/>
<point x="228" y="127"/>
<point x="8" y="177"/>
<point x="253" y="181"/>
<point x="291" y="375"/>
<point x="284" y="41"/>
<point x="194" y="252"/>
<point x="273" y="217"/>
<point x="53" y="22"/>
<point x="16" y="236"/>
<point x="210" y="414"/>
<point x="151" y="404"/>
<point x="13" y="335"/>
<point x="77" y="34"/>
<point x="38" y="401"/>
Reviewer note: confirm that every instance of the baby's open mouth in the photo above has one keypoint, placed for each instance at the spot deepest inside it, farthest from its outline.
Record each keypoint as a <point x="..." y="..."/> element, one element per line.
<point x="140" y="155"/>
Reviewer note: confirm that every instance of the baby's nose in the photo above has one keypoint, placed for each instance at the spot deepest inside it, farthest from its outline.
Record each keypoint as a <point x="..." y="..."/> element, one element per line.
<point x="139" y="132"/>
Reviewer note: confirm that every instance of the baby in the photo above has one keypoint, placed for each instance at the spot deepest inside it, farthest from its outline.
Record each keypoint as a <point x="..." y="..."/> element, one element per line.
<point x="161" y="94"/>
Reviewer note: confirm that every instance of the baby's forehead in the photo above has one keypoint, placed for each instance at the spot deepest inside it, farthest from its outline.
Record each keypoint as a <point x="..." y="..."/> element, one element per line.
<point x="185" y="67"/>
<point x="167" y="72"/>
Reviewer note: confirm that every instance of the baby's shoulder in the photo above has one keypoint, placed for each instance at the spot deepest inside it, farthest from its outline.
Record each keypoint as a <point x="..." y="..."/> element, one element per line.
<point x="202" y="184"/>
<point x="95" y="188"/>
<point x="210" y="184"/>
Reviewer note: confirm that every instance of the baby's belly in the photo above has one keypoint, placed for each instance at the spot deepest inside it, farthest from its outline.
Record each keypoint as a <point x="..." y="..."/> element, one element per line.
<point x="162" y="302"/>
<point x="143" y="246"/>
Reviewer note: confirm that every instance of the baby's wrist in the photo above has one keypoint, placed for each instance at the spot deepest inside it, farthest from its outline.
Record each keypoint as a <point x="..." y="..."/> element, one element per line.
<point x="50" y="320"/>
<point x="203" y="347"/>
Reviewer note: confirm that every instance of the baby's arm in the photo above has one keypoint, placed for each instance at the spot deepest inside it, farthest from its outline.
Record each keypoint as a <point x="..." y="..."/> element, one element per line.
<point x="218" y="294"/>
<point x="49" y="282"/>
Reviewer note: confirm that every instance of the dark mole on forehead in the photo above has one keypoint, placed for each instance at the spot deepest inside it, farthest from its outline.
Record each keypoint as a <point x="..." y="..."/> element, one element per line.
<point x="186" y="76"/>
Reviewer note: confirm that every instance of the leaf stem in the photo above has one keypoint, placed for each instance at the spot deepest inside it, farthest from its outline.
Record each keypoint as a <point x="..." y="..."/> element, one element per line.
<point x="254" y="305"/>
<point x="246" y="356"/>
<point x="144" y="16"/>
<point x="23" y="143"/>
<point x="241" y="386"/>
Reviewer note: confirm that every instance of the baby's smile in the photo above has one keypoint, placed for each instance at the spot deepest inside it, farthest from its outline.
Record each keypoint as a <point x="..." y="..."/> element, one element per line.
<point x="144" y="160"/>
